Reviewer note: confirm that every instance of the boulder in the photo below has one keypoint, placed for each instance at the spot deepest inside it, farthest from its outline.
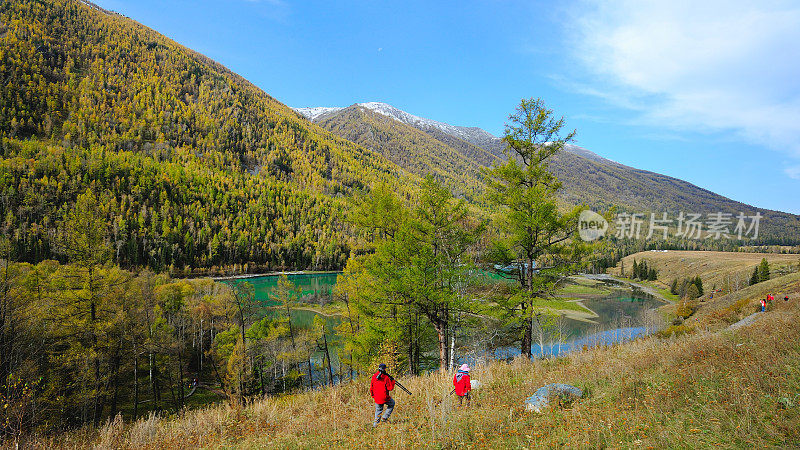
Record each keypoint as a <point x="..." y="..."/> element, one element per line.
<point x="542" y="397"/>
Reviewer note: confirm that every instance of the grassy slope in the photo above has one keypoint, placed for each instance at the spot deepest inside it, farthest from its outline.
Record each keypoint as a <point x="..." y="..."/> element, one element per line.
<point x="712" y="267"/>
<point x="713" y="387"/>
<point x="730" y="308"/>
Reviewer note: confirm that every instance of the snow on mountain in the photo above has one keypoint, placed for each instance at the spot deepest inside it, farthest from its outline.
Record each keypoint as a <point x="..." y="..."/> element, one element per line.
<point x="473" y="135"/>
<point x="469" y="134"/>
<point x="314" y="112"/>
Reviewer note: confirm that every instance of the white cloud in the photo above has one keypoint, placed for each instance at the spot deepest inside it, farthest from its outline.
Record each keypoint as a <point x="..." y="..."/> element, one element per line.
<point x="710" y="65"/>
<point x="793" y="172"/>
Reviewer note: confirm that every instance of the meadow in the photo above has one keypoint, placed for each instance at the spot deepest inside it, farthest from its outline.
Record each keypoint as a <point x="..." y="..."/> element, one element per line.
<point x="715" y="268"/>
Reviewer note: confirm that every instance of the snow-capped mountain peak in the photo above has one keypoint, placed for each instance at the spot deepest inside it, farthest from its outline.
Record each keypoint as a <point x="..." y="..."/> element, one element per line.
<point x="316" y="111"/>
<point x="468" y="134"/>
<point x="473" y="135"/>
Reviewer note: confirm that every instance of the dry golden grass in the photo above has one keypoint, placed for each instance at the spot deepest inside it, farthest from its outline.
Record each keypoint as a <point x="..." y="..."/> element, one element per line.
<point x="713" y="387"/>
<point x="730" y="308"/>
<point x="713" y="267"/>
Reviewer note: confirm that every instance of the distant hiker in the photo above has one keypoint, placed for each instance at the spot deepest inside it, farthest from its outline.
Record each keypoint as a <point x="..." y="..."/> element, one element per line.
<point x="462" y="384"/>
<point x="770" y="298"/>
<point x="786" y="299"/>
<point x="379" y="388"/>
<point x="763" y="305"/>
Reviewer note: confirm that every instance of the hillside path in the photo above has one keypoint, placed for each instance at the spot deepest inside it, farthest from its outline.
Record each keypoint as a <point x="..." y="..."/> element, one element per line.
<point x="647" y="289"/>
<point x="746" y="321"/>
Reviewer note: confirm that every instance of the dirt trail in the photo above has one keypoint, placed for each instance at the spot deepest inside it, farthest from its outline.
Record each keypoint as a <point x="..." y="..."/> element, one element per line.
<point x="647" y="289"/>
<point x="746" y="321"/>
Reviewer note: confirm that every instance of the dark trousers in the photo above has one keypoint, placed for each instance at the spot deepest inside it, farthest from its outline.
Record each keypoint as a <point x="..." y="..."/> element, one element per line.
<point x="466" y="397"/>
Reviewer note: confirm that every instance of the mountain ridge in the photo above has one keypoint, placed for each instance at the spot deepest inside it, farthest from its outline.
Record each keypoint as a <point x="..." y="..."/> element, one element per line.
<point x="474" y="135"/>
<point x="588" y="178"/>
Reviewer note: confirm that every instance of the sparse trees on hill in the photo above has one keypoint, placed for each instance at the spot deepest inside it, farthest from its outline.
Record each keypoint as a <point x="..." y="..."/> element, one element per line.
<point x="687" y="287"/>
<point x="641" y="271"/>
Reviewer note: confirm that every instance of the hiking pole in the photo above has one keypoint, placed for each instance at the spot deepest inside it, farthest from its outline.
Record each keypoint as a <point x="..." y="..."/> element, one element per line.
<point x="451" y="392"/>
<point x="398" y="383"/>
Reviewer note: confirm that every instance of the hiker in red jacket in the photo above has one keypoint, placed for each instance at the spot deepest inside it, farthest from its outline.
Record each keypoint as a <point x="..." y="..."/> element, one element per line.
<point x="379" y="388"/>
<point x="763" y="305"/>
<point x="462" y="384"/>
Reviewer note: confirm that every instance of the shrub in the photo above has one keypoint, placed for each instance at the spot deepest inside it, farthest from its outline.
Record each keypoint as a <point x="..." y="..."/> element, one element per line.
<point x="675" y="330"/>
<point x="686" y="308"/>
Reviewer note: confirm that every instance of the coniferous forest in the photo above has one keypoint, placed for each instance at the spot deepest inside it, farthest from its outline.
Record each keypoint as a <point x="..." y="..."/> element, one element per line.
<point x="194" y="167"/>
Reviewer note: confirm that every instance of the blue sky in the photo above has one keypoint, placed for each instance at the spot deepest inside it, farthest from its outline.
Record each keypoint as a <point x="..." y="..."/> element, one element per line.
<point x="709" y="94"/>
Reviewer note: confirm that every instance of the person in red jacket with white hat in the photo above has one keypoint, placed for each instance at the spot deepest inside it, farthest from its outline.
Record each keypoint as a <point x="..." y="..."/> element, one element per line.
<point x="462" y="384"/>
<point x="379" y="388"/>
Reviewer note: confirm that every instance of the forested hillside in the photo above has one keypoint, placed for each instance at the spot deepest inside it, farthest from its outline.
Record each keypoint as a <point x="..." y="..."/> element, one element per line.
<point x="451" y="160"/>
<point x="195" y="166"/>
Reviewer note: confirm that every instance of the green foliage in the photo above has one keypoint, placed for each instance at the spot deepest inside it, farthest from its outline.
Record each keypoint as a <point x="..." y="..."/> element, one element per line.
<point x="763" y="270"/>
<point x="691" y="287"/>
<point x="692" y="292"/>
<point x="698" y="283"/>
<point x="643" y="272"/>
<point x="536" y="235"/>
<point x="415" y="279"/>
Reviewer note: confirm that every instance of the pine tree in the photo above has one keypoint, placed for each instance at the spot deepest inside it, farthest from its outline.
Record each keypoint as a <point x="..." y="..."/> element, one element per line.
<point x="699" y="284"/>
<point x="417" y="271"/>
<point x="754" y="278"/>
<point x="763" y="270"/>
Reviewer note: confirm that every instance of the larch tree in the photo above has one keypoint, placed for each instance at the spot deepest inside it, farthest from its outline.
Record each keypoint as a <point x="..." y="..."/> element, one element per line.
<point x="416" y="272"/>
<point x="538" y="240"/>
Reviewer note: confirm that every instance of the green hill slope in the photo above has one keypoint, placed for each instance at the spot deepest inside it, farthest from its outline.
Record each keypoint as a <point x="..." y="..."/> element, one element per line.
<point x="196" y="166"/>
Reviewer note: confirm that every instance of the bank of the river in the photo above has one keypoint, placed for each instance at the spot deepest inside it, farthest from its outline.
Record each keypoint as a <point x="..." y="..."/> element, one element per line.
<point x="657" y="293"/>
<point x="587" y="309"/>
<point x="275" y="274"/>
